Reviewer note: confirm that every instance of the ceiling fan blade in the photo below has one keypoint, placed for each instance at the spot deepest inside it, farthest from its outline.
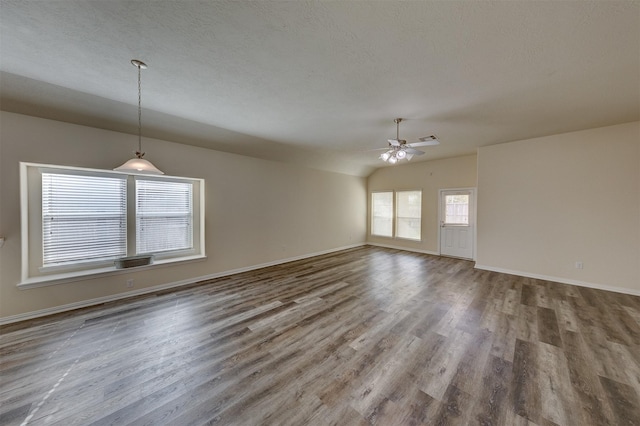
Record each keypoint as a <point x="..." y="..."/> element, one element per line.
<point x="394" y="142"/>
<point x="427" y="143"/>
<point x="413" y="151"/>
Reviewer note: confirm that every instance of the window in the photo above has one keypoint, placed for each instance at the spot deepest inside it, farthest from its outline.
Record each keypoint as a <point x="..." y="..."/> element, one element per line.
<point x="382" y="214"/>
<point x="164" y="216"/>
<point x="409" y="214"/>
<point x="84" y="218"/>
<point x="407" y="220"/>
<point x="78" y="221"/>
<point x="457" y="209"/>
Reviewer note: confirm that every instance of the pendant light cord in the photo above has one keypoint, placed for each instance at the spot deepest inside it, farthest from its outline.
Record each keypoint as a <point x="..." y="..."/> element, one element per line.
<point x="139" y="154"/>
<point x="138" y="164"/>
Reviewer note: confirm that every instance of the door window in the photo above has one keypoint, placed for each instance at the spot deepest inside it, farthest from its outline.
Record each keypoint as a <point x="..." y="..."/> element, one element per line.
<point x="456" y="209"/>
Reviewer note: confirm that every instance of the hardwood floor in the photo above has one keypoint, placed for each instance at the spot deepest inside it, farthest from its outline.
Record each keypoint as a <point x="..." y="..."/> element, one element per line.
<point x="363" y="336"/>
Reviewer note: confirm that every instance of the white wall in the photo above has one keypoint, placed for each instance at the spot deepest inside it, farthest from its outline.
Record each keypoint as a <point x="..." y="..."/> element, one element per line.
<point x="430" y="177"/>
<point x="545" y="203"/>
<point x="257" y="211"/>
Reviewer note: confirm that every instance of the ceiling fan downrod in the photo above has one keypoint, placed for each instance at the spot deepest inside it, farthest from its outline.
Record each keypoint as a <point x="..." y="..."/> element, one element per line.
<point x="397" y="121"/>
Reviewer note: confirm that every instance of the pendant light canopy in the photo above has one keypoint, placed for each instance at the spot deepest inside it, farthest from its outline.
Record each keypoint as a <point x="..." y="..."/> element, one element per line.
<point x="138" y="164"/>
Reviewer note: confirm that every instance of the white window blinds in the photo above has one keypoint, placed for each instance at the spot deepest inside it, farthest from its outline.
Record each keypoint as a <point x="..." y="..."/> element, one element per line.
<point x="382" y="214"/>
<point x="164" y="216"/>
<point x="84" y="218"/>
<point x="409" y="214"/>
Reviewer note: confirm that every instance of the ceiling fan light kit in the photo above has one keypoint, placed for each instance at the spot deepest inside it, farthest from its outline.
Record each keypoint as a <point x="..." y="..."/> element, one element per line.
<point x="138" y="164"/>
<point x="399" y="149"/>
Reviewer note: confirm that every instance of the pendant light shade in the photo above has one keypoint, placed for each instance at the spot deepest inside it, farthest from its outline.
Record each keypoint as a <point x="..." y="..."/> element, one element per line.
<point x="138" y="164"/>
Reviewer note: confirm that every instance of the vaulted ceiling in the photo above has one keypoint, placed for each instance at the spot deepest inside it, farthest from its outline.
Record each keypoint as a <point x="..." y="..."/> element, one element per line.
<point x="319" y="83"/>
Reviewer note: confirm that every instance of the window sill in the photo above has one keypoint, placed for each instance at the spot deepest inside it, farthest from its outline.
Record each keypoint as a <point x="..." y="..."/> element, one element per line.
<point x="68" y="277"/>
<point x="396" y="238"/>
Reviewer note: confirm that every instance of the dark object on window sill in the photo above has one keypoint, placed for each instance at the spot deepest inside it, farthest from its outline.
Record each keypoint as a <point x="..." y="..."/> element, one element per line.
<point x="133" y="261"/>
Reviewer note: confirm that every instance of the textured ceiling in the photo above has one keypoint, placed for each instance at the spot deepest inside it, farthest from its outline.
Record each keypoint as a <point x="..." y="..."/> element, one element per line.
<point x="319" y="83"/>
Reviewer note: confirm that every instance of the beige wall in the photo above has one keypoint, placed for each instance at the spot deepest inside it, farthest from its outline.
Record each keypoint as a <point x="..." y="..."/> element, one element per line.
<point x="430" y="177"/>
<point x="257" y="211"/>
<point x="545" y="203"/>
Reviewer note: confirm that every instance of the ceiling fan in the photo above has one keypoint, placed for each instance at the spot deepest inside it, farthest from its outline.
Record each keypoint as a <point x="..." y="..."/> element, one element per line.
<point x="399" y="149"/>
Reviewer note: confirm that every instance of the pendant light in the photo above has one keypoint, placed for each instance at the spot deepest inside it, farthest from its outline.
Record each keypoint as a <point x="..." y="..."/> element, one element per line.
<point x="138" y="164"/>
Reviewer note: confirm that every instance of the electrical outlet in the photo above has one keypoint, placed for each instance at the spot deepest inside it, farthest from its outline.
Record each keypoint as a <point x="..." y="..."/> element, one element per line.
<point x="129" y="283"/>
<point x="579" y="264"/>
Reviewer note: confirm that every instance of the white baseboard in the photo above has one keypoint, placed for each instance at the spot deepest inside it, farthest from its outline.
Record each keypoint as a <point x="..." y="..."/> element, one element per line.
<point x="114" y="297"/>
<point x="404" y="248"/>
<point x="578" y="283"/>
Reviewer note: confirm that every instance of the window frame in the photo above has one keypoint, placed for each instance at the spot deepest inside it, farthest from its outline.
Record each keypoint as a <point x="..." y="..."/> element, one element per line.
<point x="34" y="274"/>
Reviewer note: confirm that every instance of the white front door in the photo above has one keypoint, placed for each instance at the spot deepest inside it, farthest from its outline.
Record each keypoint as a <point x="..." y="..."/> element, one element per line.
<point x="457" y="222"/>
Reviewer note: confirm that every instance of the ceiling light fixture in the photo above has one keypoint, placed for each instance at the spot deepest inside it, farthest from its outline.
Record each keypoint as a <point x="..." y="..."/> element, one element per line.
<point x="138" y="164"/>
<point x="398" y="149"/>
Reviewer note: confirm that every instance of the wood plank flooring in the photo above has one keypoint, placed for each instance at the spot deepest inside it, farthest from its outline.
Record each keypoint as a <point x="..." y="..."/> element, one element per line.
<point x="364" y="336"/>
